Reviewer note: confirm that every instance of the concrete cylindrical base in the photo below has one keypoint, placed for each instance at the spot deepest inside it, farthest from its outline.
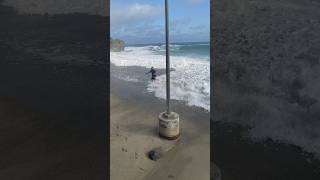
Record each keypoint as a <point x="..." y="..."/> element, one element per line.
<point x="169" y="125"/>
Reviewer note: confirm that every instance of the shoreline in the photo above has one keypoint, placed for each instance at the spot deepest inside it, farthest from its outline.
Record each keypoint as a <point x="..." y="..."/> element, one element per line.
<point x="185" y="158"/>
<point x="234" y="152"/>
<point x="136" y="91"/>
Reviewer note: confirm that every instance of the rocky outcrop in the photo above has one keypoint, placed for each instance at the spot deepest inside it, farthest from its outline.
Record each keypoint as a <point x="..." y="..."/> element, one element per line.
<point x="117" y="45"/>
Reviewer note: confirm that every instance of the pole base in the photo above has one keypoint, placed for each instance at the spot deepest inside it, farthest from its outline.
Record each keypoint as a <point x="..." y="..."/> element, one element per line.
<point x="169" y="125"/>
<point x="169" y="138"/>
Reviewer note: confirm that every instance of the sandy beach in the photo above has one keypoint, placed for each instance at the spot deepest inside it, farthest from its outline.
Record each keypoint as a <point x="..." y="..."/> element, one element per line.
<point x="133" y="133"/>
<point x="232" y="149"/>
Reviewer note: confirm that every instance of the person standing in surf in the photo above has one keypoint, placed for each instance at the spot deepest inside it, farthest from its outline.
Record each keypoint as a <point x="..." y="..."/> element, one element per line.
<point x="153" y="73"/>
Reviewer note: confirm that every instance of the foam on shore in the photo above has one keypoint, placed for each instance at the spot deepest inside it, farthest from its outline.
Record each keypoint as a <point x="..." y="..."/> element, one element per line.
<point x="190" y="80"/>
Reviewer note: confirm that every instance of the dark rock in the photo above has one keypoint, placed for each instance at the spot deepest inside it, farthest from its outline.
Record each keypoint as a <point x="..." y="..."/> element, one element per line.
<point x="154" y="155"/>
<point x="170" y="176"/>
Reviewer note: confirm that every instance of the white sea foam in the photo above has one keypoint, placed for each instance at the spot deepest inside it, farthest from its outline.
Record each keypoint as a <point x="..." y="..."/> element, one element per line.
<point x="274" y="118"/>
<point x="190" y="81"/>
<point x="128" y="78"/>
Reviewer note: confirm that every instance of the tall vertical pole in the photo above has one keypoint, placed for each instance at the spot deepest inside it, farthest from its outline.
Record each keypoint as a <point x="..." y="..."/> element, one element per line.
<point x="167" y="57"/>
<point x="168" y="120"/>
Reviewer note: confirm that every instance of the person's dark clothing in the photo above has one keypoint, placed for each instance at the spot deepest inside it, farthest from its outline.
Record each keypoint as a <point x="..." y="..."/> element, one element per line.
<point x="153" y="74"/>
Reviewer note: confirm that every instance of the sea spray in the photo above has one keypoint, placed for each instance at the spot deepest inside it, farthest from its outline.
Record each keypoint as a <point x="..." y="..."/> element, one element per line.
<point x="190" y="78"/>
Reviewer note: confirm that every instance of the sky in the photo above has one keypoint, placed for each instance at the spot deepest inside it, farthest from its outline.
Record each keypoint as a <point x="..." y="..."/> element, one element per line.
<point x="142" y="21"/>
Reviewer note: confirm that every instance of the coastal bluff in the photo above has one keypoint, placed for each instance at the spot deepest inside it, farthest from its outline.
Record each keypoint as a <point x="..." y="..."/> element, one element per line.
<point x="116" y="45"/>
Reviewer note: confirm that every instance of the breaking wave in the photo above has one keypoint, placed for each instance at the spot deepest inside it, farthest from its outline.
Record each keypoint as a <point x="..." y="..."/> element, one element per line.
<point x="190" y="79"/>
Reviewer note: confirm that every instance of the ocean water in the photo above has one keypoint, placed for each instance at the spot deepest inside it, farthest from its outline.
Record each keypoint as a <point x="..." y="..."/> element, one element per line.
<point x="190" y="80"/>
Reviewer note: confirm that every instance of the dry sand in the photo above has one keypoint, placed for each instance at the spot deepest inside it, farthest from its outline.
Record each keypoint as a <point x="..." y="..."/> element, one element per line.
<point x="133" y="133"/>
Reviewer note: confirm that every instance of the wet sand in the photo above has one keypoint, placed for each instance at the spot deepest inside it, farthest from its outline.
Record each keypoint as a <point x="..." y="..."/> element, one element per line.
<point x="236" y="154"/>
<point x="134" y="127"/>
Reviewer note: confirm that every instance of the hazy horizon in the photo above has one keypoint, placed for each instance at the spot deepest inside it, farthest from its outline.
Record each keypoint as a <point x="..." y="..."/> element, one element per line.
<point x="131" y="44"/>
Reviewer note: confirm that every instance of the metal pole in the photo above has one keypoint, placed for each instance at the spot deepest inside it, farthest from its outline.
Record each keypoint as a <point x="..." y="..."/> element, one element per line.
<point x="168" y="120"/>
<point x="167" y="57"/>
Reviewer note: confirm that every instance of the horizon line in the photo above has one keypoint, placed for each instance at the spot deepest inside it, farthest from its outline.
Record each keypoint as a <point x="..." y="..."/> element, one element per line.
<point x="169" y="43"/>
